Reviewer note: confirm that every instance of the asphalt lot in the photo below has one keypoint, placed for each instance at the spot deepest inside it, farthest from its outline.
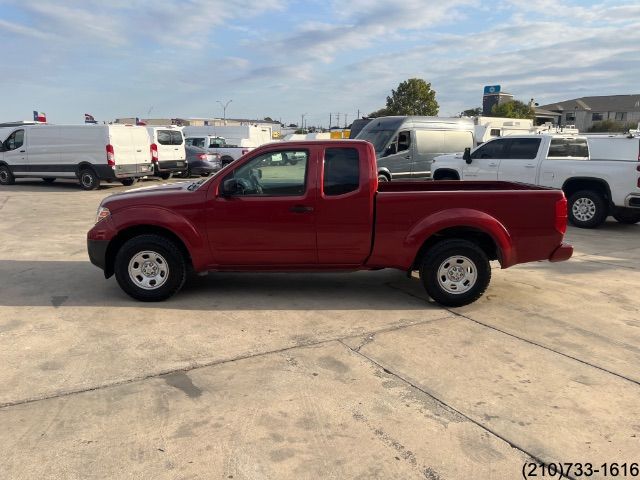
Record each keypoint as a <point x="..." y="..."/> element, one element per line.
<point x="307" y="376"/>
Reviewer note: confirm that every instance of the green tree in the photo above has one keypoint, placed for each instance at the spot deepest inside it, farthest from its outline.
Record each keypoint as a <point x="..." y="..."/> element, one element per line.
<point x="412" y="97"/>
<point x="513" y="109"/>
<point x="611" y="126"/>
<point x="472" y="112"/>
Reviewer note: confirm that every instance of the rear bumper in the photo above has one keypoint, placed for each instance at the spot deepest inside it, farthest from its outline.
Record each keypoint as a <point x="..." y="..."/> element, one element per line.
<point x="170" y="166"/>
<point x="562" y="253"/>
<point x="133" y="170"/>
<point x="200" y="167"/>
<point x="98" y="252"/>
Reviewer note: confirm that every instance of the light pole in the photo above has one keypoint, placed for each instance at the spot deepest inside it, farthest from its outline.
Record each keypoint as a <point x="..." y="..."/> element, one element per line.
<point x="302" y="122"/>
<point x="224" y="110"/>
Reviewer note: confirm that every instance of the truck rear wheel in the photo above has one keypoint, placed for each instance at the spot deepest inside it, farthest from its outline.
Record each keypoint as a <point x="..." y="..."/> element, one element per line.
<point x="6" y="177"/>
<point x="88" y="179"/>
<point x="587" y="209"/>
<point x="382" y="178"/>
<point x="455" y="272"/>
<point x="627" y="217"/>
<point x="164" y="175"/>
<point x="127" y="182"/>
<point x="150" y="268"/>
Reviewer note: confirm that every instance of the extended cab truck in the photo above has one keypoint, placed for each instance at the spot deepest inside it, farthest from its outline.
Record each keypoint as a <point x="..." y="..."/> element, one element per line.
<point x="599" y="175"/>
<point x="213" y="144"/>
<point x="326" y="212"/>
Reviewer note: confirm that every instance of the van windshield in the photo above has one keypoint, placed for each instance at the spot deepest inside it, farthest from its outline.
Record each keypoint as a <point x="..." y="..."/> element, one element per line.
<point x="379" y="138"/>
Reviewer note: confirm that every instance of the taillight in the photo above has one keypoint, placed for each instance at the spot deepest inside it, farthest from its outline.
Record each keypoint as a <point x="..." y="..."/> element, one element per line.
<point x="202" y="156"/>
<point x="111" y="158"/>
<point x="561" y="215"/>
<point x="245" y="150"/>
<point x="154" y="153"/>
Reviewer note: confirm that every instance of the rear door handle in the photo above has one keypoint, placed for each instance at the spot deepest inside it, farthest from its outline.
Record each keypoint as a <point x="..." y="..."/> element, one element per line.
<point x="493" y="164"/>
<point x="530" y="165"/>
<point x="301" y="209"/>
<point x="21" y="151"/>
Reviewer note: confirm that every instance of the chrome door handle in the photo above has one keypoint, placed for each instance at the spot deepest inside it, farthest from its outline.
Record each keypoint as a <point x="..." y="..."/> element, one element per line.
<point x="529" y="165"/>
<point x="493" y="164"/>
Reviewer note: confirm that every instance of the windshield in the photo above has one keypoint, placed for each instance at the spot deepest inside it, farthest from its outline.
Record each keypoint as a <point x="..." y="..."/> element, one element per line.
<point x="379" y="138"/>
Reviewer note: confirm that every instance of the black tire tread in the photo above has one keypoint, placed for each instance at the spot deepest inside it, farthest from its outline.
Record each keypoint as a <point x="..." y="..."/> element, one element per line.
<point x="10" y="178"/>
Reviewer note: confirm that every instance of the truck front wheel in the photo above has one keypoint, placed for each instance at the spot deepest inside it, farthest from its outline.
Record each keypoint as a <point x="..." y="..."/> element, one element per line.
<point x="150" y="268"/>
<point x="6" y="177"/>
<point x="587" y="209"/>
<point x="455" y="272"/>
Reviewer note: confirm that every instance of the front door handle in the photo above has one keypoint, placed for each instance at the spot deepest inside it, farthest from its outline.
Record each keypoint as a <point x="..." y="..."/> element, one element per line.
<point x="301" y="209"/>
<point x="493" y="164"/>
<point x="21" y="151"/>
<point x="530" y="165"/>
<point x="408" y="157"/>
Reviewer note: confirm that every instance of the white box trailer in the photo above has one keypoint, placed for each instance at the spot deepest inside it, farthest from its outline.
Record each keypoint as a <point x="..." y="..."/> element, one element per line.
<point x="90" y="153"/>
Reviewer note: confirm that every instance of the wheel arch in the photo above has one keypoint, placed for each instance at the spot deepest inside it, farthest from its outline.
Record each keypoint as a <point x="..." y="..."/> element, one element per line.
<point x="446" y="171"/>
<point x="134" y="231"/>
<point x="478" y="227"/>
<point x="385" y="171"/>
<point x="575" y="184"/>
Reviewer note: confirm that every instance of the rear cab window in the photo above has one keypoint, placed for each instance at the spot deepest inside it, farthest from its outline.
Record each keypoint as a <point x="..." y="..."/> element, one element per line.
<point x="523" y="148"/>
<point x="568" y="148"/>
<point x="341" y="171"/>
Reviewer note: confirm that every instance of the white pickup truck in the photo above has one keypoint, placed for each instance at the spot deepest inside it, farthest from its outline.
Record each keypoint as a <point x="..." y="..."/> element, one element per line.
<point x="599" y="175"/>
<point x="228" y="153"/>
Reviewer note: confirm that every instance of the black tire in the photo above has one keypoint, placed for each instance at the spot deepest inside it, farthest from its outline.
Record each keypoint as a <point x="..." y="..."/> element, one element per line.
<point x="165" y="249"/>
<point x="127" y="182"/>
<point x="383" y="178"/>
<point x="627" y="217"/>
<point x="88" y="179"/>
<point x="587" y="209"/>
<point x="6" y="177"/>
<point x="185" y="174"/>
<point x="49" y="180"/>
<point x="164" y="175"/>
<point x="226" y="161"/>
<point x="205" y="174"/>
<point x="475" y="262"/>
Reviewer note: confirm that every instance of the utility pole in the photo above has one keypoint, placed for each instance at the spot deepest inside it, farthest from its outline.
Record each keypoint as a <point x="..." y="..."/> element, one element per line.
<point x="302" y="121"/>
<point x="345" y="119"/>
<point x="224" y="110"/>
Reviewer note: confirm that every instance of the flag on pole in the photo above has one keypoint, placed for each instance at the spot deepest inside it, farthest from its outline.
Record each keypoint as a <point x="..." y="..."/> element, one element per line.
<point x="89" y="119"/>
<point x="140" y="122"/>
<point x="39" y="116"/>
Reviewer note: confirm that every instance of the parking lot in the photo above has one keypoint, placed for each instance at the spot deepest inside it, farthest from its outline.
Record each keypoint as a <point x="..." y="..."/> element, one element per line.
<point x="299" y="375"/>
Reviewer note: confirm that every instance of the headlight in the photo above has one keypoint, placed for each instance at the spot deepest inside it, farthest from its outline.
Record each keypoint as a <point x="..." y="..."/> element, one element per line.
<point x="103" y="212"/>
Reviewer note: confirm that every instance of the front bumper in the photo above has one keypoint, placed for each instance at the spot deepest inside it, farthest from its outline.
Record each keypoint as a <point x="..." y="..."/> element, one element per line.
<point x="562" y="253"/>
<point x="98" y="252"/>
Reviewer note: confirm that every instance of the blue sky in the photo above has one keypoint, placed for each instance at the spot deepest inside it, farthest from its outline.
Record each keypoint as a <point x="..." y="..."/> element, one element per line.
<point x="283" y="58"/>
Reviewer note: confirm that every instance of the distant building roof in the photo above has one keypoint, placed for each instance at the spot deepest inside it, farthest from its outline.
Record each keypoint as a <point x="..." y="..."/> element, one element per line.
<point x="541" y="112"/>
<point x="604" y="103"/>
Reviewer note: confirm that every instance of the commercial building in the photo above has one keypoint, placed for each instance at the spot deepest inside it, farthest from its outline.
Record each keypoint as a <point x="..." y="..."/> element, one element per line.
<point x="584" y="112"/>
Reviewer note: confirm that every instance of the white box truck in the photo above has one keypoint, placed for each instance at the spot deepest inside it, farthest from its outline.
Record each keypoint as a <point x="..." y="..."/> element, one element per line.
<point x="90" y="153"/>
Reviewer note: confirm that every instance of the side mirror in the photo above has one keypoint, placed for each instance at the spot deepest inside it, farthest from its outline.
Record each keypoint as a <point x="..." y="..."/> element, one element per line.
<point x="231" y="187"/>
<point x="391" y="150"/>
<point x="467" y="155"/>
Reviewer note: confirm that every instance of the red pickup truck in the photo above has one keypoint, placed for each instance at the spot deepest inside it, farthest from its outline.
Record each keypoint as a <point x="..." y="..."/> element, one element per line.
<point x="324" y="212"/>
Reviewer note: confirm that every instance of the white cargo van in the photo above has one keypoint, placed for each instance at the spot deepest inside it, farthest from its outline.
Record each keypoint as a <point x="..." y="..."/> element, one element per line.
<point x="405" y="146"/>
<point x="167" y="150"/>
<point x="90" y="153"/>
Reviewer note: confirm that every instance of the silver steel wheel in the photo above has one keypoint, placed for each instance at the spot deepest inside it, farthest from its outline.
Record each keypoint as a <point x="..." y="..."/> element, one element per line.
<point x="86" y="179"/>
<point x="148" y="270"/>
<point x="457" y="274"/>
<point x="583" y="209"/>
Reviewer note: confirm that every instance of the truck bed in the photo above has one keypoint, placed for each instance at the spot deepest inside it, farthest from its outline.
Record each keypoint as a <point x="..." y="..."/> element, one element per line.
<point x="453" y="185"/>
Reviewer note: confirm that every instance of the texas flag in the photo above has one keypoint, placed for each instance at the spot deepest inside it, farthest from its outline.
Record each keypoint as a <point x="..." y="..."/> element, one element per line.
<point x="89" y="118"/>
<point x="39" y="116"/>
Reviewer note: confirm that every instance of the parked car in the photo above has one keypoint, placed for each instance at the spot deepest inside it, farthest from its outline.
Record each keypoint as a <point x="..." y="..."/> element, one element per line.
<point x="326" y="212"/>
<point x="200" y="162"/>
<point x="90" y="153"/>
<point x="600" y="176"/>
<point x="405" y="146"/>
<point x="167" y="150"/>
<point x="228" y="153"/>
